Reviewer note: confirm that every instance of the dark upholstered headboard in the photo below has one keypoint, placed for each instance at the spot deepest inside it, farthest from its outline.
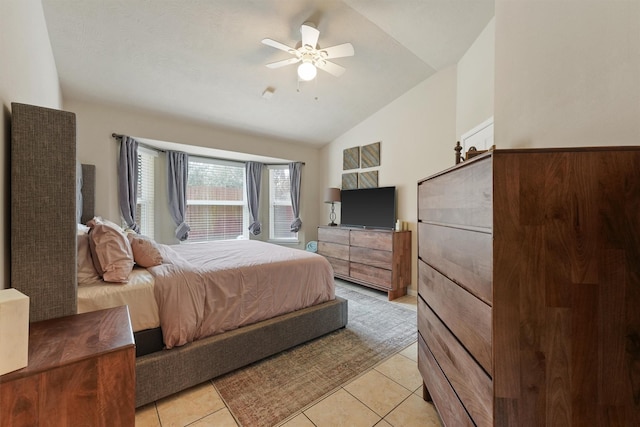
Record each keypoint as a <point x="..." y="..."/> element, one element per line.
<point x="43" y="209"/>
<point x="88" y="192"/>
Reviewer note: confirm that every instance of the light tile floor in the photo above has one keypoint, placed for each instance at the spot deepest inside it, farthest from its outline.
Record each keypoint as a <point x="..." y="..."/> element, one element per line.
<point x="390" y="394"/>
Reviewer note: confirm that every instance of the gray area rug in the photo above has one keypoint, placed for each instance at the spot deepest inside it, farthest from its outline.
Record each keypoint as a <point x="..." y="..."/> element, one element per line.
<point x="267" y="392"/>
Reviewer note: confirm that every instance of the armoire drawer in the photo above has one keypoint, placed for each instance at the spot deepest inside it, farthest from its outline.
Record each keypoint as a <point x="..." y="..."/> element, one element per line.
<point x="333" y="235"/>
<point x="333" y="250"/>
<point x="464" y="198"/>
<point x="464" y="314"/>
<point x="372" y="257"/>
<point x="377" y="276"/>
<point x="472" y="385"/>
<point x="464" y="256"/>
<point x="449" y="406"/>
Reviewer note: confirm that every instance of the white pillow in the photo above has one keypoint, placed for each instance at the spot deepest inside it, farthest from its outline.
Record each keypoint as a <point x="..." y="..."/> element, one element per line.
<point x="87" y="273"/>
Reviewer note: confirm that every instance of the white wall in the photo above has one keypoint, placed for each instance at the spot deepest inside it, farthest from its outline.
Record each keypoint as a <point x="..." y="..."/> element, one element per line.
<point x="418" y="131"/>
<point x="567" y="73"/>
<point x="27" y="75"/>
<point x="96" y="122"/>
<point x="475" y="84"/>
<point x="417" y="135"/>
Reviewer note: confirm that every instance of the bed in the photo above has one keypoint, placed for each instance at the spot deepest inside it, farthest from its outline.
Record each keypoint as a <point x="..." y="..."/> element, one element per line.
<point x="203" y="289"/>
<point x="43" y="157"/>
<point x="162" y="372"/>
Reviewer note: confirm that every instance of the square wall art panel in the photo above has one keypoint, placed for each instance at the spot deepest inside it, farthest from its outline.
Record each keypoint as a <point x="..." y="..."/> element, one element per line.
<point x="349" y="181"/>
<point x="370" y="155"/>
<point x="351" y="158"/>
<point x="368" y="179"/>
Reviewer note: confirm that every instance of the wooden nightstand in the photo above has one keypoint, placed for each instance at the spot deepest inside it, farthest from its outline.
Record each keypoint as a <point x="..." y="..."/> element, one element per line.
<point x="81" y="372"/>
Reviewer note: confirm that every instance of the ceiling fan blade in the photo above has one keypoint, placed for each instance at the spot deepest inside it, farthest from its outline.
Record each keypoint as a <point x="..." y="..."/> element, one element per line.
<point x="278" y="45"/>
<point x="282" y="63"/>
<point x="338" y="51"/>
<point x="310" y="35"/>
<point x="331" y="68"/>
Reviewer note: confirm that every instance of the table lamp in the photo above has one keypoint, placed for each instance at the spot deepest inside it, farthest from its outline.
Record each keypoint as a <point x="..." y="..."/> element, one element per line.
<point x="332" y="195"/>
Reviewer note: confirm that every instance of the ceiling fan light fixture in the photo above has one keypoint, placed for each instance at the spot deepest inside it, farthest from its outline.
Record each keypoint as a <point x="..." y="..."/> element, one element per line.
<point x="307" y="71"/>
<point x="308" y="55"/>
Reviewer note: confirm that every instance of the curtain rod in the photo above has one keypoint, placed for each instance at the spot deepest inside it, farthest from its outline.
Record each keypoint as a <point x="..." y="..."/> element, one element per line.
<point x="119" y="136"/>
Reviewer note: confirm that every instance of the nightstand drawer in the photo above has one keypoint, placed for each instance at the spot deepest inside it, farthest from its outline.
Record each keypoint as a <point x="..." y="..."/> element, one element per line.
<point x="470" y="382"/>
<point x="333" y="250"/>
<point x="376" y="276"/>
<point x="464" y="198"/>
<point x="372" y="257"/>
<point x="333" y="235"/>
<point x="464" y="256"/>
<point x="464" y="314"/>
<point x="449" y="406"/>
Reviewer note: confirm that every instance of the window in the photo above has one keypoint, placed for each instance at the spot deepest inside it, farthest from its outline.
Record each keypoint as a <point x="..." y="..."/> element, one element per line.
<point x="145" y="202"/>
<point x="216" y="200"/>
<point x="280" y="210"/>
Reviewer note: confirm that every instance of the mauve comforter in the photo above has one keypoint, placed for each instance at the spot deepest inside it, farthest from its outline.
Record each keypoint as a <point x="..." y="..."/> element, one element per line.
<point x="204" y="289"/>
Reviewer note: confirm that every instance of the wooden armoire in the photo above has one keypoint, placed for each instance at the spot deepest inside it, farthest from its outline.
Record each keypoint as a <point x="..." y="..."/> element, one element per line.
<point x="529" y="288"/>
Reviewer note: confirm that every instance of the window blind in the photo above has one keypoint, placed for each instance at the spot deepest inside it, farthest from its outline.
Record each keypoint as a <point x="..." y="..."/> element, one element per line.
<point x="146" y="192"/>
<point x="280" y="210"/>
<point x="216" y="200"/>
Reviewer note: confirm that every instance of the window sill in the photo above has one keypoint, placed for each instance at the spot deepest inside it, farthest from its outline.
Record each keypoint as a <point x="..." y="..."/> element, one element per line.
<point x="284" y="241"/>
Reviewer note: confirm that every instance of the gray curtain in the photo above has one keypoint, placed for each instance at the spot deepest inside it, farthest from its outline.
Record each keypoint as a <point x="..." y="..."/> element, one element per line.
<point x="177" y="176"/>
<point x="254" y="175"/>
<point x="295" y="172"/>
<point x="128" y="181"/>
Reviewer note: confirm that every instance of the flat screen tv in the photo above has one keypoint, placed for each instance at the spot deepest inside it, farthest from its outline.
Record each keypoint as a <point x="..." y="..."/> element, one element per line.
<point x="368" y="208"/>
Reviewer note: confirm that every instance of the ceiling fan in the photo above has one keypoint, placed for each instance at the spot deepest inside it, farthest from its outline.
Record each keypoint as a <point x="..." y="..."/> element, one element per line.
<point x="310" y="54"/>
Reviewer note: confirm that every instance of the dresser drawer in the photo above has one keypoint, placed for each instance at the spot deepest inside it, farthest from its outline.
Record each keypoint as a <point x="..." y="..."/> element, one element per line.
<point x="372" y="239"/>
<point x="464" y="256"/>
<point x="372" y="257"/>
<point x="376" y="276"/>
<point x="464" y="314"/>
<point x="462" y="198"/>
<point x="340" y="266"/>
<point x="334" y="235"/>
<point x="449" y="406"/>
<point x="333" y="250"/>
<point x="470" y="382"/>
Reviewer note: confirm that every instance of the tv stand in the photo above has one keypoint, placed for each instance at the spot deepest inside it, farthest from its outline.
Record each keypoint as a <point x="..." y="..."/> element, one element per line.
<point x="379" y="259"/>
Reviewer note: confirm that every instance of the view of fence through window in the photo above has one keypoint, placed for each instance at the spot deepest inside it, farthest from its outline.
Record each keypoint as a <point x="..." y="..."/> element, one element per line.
<point x="216" y="200"/>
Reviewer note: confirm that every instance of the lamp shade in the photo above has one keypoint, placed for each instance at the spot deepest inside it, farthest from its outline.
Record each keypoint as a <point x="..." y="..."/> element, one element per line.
<point x="331" y="195"/>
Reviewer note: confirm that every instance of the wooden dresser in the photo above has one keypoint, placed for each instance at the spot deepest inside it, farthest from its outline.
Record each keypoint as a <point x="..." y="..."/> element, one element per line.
<point x="529" y="288"/>
<point x="380" y="259"/>
<point x="81" y="372"/>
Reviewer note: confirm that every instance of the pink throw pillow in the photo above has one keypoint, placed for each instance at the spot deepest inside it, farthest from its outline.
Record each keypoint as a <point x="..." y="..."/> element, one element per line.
<point x="110" y="251"/>
<point x="145" y="251"/>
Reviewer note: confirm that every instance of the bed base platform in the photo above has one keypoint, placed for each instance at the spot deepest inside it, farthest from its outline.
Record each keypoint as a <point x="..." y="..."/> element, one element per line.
<point x="148" y="341"/>
<point x="166" y="372"/>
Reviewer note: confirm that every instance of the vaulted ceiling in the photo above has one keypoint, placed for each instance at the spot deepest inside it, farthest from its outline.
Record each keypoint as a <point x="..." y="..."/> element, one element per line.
<point x="204" y="60"/>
